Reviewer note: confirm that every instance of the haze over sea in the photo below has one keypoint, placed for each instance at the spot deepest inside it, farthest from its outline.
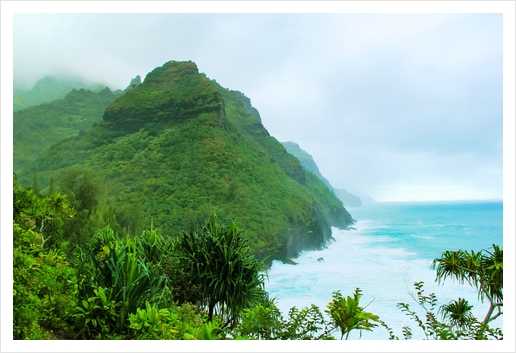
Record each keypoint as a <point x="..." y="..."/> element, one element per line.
<point x="391" y="247"/>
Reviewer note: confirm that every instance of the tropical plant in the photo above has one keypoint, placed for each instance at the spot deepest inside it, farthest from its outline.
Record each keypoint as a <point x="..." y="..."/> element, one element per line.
<point x="170" y="324"/>
<point x="348" y="315"/>
<point x="265" y="322"/>
<point x="44" y="283"/>
<point x="483" y="270"/>
<point x="153" y="247"/>
<point x="114" y="269"/>
<point x="457" y="320"/>
<point x="154" y="323"/>
<point x="218" y="260"/>
<point x="457" y="312"/>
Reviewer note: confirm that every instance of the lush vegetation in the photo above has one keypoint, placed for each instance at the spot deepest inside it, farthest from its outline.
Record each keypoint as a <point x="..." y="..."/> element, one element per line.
<point x="125" y="229"/>
<point x="306" y="160"/>
<point x="50" y="88"/>
<point x="39" y="127"/>
<point x="178" y="146"/>
<point x="200" y="285"/>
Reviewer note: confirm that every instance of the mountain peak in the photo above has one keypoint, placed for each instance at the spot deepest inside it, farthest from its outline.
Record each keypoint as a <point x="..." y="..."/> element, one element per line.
<point x="171" y="93"/>
<point x="179" y="145"/>
<point x="134" y="82"/>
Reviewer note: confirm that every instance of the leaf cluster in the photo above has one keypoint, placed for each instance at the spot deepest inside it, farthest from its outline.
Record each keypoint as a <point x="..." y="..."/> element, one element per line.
<point x="219" y="262"/>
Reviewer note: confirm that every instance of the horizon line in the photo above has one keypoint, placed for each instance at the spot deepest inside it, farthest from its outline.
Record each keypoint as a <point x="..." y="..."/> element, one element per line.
<point x="448" y="200"/>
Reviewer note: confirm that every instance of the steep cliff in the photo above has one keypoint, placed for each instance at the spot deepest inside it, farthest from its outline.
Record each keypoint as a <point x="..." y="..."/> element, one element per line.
<point x="307" y="161"/>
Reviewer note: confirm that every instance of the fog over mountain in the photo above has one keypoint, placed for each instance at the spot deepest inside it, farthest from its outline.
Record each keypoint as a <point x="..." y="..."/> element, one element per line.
<point x="400" y="106"/>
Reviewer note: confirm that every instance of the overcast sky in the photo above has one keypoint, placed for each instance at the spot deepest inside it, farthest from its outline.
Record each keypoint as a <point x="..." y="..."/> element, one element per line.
<point x="400" y="106"/>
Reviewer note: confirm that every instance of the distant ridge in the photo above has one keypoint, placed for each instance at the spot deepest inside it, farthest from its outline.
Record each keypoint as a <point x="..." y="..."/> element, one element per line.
<point x="307" y="161"/>
<point x="50" y="88"/>
<point x="39" y="127"/>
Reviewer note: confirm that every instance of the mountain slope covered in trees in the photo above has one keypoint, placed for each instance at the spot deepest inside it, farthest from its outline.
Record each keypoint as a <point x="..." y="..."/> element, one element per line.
<point x="50" y="88"/>
<point x="39" y="127"/>
<point x="308" y="162"/>
<point x="179" y="146"/>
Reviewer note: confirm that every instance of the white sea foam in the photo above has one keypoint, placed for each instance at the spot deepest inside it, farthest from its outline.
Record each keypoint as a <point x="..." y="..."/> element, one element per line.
<point x="385" y="274"/>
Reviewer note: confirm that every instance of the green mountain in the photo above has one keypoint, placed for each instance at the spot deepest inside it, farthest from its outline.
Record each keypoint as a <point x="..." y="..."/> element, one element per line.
<point x="307" y="161"/>
<point x="39" y="127"/>
<point x="50" y="88"/>
<point x="134" y="82"/>
<point x="179" y="145"/>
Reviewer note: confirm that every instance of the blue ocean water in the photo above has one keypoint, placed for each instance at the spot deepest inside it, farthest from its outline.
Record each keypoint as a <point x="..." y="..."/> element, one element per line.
<point x="391" y="247"/>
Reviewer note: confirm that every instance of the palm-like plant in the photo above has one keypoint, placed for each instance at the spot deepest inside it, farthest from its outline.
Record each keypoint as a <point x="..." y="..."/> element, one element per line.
<point x="218" y="260"/>
<point x="458" y="312"/>
<point x="153" y="246"/>
<point x="348" y="315"/>
<point x="119" y="270"/>
<point x="483" y="271"/>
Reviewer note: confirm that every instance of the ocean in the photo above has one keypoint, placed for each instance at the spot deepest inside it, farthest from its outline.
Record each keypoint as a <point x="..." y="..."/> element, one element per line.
<point x="391" y="246"/>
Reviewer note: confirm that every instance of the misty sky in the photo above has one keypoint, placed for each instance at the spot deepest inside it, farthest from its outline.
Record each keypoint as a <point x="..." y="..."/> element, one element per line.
<point x="400" y="106"/>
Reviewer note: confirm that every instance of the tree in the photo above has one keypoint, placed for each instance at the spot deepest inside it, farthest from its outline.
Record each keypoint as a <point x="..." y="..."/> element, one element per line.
<point x="457" y="320"/>
<point x="218" y="260"/>
<point x="44" y="285"/>
<point x="45" y="215"/>
<point x="484" y="271"/>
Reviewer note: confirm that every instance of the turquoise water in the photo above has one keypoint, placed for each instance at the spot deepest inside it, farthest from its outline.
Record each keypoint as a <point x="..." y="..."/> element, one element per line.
<point x="429" y="228"/>
<point x="392" y="247"/>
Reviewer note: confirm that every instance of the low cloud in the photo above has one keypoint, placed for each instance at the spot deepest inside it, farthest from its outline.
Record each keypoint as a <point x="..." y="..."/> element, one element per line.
<point x="389" y="103"/>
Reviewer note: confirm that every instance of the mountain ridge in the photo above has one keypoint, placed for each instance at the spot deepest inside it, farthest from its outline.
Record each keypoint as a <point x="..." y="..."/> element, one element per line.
<point x="180" y="145"/>
<point x="306" y="159"/>
<point x="38" y="127"/>
<point x="50" y="88"/>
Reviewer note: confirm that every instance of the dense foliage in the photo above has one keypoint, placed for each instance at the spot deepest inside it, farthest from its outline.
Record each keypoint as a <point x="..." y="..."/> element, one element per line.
<point x="201" y="285"/>
<point x="39" y="127"/>
<point x="44" y="283"/>
<point x="306" y="160"/>
<point x="124" y="242"/>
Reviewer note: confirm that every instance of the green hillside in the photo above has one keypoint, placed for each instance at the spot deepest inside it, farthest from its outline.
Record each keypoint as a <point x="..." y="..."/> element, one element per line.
<point x="50" y="88"/>
<point x="178" y="146"/>
<point x="308" y="162"/>
<point x="37" y="128"/>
